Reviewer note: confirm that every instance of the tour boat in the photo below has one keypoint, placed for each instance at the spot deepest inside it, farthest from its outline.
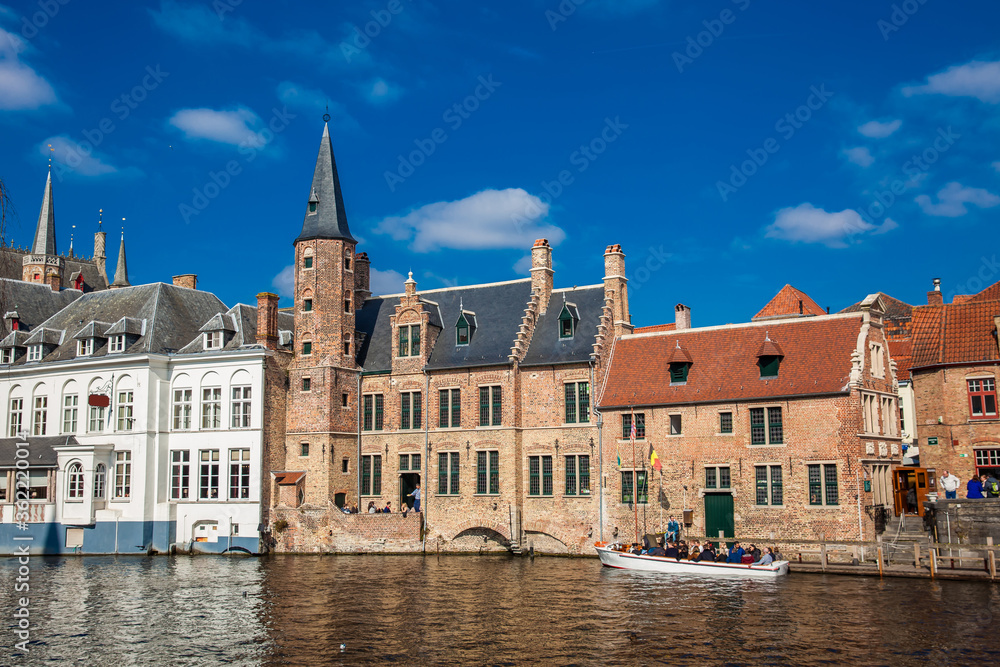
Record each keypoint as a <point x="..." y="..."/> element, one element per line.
<point x="611" y="557"/>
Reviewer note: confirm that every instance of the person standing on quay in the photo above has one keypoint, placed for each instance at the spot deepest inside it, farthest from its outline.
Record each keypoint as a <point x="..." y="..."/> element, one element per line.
<point x="416" y="497"/>
<point x="950" y="484"/>
<point x="974" y="487"/>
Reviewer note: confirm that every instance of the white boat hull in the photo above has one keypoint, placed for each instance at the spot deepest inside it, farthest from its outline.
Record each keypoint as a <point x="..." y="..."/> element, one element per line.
<point x="627" y="561"/>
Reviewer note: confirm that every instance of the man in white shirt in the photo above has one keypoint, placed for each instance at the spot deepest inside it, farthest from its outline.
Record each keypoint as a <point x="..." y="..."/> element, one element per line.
<point x="950" y="484"/>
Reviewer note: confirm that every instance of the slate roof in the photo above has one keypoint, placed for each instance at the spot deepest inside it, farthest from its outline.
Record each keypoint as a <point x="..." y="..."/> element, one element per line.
<point x="546" y="347"/>
<point x="816" y="360"/>
<point x="45" y="230"/>
<point x="329" y="221"/>
<point x="894" y="308"/>
<point x="42" y="454"/>
<point x="33" y="302"/>
<point x="240" y="326"/>
<point x="955" y="333"/>
<point x="789" y="302"/>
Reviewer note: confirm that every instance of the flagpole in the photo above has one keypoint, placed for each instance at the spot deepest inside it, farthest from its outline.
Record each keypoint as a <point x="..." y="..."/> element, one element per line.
<point x="635" y="478"/>
<point x="658" y="497"/>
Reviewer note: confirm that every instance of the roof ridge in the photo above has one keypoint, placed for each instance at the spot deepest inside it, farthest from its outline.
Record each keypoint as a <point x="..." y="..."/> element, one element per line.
<point x="451" y="289"/>
<point x="761" y="323"/>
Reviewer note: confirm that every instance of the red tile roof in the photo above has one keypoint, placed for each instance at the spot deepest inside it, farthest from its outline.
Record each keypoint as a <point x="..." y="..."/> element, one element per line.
<point x="955" y="333"/>
<point x="991" y="293"/>
<point x="901" y="352"/>
<point x="817" y="360"/>
<point x="656" y="327"/>
<point x="789" y="302"/>
<point x="288" y="478"/>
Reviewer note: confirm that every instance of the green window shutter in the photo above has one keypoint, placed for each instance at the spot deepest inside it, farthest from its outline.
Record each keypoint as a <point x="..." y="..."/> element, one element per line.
<point x="456" y="409"/>
<point x="454" y="472"/>
<point x="626" y="428"/>
<point x="379" y="411"/>
<point x="494" y="472"/>
<point x="418" y="410"/>
<point x="830" y="484"/>
<point x="481" y="474"/>
<point x="769" y="366"/>
<point x="368" y="412"/>
<point x="546" y="475"/>
<point x="725" y="422"/>
<point x="761" y="477"/>
<point x="404" y="338"/>
<point x="678" y="372"/>
<point x="377" y="475"/>
<point x="627" y="486"/>
<point x="709" y="478"/>
<point x="497" y="405"/>
<point x="462" y="331"/>
<point x="484" y="408"/>
<point x="443" y="408"/>
<point x="534" y="476"/>
<point x="404" y="412"/>
<point x="570" y="403"/>
<point x="758" y="433"/>
<point x="815" y="485"/>
<point x="366" y="475"/>
<point x="775" y="431"/>
<point x="583" y="397"/>
<point x="404" y="461"/>
<point x="642" y="483"/>
<point x="777" y="489"/>
<point x="584" y="474"/>
<point x="570" y="475"/>
<point x="565" y="323"/>
<point x="443" y="473"/>
<point x="415" y="340"/>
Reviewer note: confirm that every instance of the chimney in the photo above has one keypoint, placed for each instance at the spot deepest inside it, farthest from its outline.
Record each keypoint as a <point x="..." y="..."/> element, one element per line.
<point x="616" y="288"/>
<point x="267" y="320"/>
<point x="682" y="317"/>
<point x="800" y="306"/>
<point x="362" y="278"/>
<point x="188" y="280"/>
<point x="541" y="272"/>
<point x="410" y="286"/>
<point x="100" y="240"/>
<point x="935" y="298"/>
<point x="53" y="280"/>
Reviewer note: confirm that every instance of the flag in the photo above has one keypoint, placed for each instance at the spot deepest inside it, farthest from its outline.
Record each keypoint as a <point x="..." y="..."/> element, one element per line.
<point x="618" y="451"/>
<point x="654" y="460"/>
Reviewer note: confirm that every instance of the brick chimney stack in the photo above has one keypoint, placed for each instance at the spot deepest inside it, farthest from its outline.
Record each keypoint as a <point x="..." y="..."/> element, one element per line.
<point x="682" y="317"/>
<point x="53" y="280"/>
<point x="267" y="320"/>
<point x="616" y="288"/>
<point x="188" y="280"/>
<point x="935" y="298"/>
<point x="541" y="272"/>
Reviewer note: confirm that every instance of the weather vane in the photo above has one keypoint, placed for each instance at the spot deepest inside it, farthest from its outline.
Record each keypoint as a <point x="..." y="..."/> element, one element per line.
<point x="326" y="116"/>
<point x="50" y="156"/>
<point x="100" y="218"/>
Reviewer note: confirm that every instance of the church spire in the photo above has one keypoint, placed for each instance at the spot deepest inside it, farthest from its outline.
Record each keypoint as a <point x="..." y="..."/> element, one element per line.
<point x="325" y="217"/>
<point x="121" y="272"/>
<point x="45" y="232"/>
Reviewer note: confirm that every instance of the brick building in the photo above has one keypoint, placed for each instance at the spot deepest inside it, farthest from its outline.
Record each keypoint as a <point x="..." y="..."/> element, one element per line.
<point x="955" y="366"/>
<point x="785" y="426"/>
<point x="482" y="394"/>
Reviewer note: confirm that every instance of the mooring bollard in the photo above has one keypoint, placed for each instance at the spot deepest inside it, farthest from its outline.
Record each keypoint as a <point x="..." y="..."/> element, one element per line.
<point x="878" y="555"/>
<point x="933" y="562"/>
<point x="993" y="564"/>
<point x="822" y="556"/>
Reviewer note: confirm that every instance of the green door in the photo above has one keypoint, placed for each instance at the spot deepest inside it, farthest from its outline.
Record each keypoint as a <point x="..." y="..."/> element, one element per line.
<point x="719" y="514"/>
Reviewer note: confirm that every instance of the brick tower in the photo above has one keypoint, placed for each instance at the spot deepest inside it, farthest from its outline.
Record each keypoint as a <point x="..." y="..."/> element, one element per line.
<point x="321" y="434"/>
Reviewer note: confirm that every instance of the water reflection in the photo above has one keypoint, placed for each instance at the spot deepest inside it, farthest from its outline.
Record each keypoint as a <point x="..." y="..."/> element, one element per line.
<point x="481" y="610"/>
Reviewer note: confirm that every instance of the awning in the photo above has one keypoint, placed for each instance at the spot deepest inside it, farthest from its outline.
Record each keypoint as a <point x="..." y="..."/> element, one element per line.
<point x="286" y="478"/>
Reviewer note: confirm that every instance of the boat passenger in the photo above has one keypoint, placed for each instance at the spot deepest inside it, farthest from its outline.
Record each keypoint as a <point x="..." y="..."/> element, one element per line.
<point x="671" y="551"/>
<point x="695" y="553"/>
<point x="766" y="559"/>
<point x="682" y="550"/>
<point x="707" y="553"/>
<point x="656" y="551"/>
<point x="776" y="555"/>
<point x="723" y="554"/>
<point x="371" y="508"/>
<point x="754" y="553"/>
<point x="735" y="554"/>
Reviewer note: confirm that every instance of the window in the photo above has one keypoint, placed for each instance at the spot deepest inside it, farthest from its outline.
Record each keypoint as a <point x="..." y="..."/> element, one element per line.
<point x="7" y="356"/>
<point x="307" y="305"/>
<point x="344" y="464"/>
<point x="34" y="353"/>
<point x="347" y="347"/>
<point x="180" y="475"/>
<point x="125" y="419"/>
<point x="372" y="412"/>
<point x="70" y="408"/>
<point x="578" y="475"/>
<point x="347" y="304"/>
<point x="306" y="384"/>
<point x="679" y="372"/>
<point x="371" y="475"/>
<point x="208" y="475"/>
<point x="539" y="475"/>
<point x="449" y="408"/>
<point x="96" y="424"/>
<point x="409" y="340"/>
<point x="304" y="449"/>
<point x="717" y="477"/>
<point x="117" y="343"/>
<point x="211" y="407"/>
<point x="983" y="398"/>
<point x="343" y="400"/>
<point x="409" y="462"/>
<point x="566" y="323"/>
<point x="878" y="361"/>
<point x="213" y="340"/>
<point x="629" y="480"/>
<point x="577" y="402"/>
<point x="767" y="432"/>
<point x="490" y="405"/>
<point x="987" y="458"/>
<point x="769" y="489"/>
<point x="307" y="262"/>
<point x="410" y="404"/>
<point x="16" y="420"/>
<point x="239" y="474"/>
<point x="347" y="263"/>
<point x="869" y="412"/>
<point x="448" y="467"/>
<point x="123" y="474"/>
<point x="675" y="424"/>
<point x="5" y="497"/>
<point x="312" y="207"/>
<point x="640" y="425"/>
<point x="462" y="331"/>
<point x="488" y="472"/>
<point x="307" y="348"/>
<point x="38" y="485"/>
<point x="823" y="484"/>
<point x="768" y="366"/>
<point x="74" y="481"/>
<point x="85" y="347"/>
<point x="241" y="407"/>
<point x="888" y="416"/>
<point x="40" y="416"/>
<point x="182" y="409"/>
<point x="100" y="477"/>
<point x="725" y="422"/>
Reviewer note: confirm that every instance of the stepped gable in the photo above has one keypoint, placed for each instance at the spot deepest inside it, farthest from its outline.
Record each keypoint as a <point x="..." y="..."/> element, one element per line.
<point x="547" y="348"/>
<point x="789" y="302"/>
<point x="33" y="302"/>
<point x="897" y="317"/>
<point x="816" y="359"/>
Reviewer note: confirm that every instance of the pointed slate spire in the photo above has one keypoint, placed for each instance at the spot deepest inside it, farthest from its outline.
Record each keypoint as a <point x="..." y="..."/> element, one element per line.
<point x="326" y="217"/>
<point x="45" y="232"/>
<point x="121" y="272"/>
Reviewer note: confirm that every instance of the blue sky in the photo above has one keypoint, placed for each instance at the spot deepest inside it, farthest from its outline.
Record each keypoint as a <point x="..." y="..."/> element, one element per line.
<point x="730" y="146"/>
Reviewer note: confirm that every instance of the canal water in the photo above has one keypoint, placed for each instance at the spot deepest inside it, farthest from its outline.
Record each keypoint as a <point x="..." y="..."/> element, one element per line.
<point x="467" y="610"/>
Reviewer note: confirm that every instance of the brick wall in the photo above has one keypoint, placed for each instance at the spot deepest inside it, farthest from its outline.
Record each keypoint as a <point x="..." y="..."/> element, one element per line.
<point x="332" y="531"/>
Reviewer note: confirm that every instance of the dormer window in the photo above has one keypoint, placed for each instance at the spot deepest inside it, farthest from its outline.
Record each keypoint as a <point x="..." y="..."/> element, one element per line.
<point x="117" y="343"/>
<point x="213" y="340"/>
<point x="567" y="321"/>
<point x="313" y="202"/>
<point x="34" y="353"/>
<point x="85" y="347"/>
<point x="7" y="356"/>
<point x="768" y="365"/>
<point x="409" y="341"/>
<point x="679" y="373"/>
<point x="462" y="331"/>
<point x="312" y="207"/>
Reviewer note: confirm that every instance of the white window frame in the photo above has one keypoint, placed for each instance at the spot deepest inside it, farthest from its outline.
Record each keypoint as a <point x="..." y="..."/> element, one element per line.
<point x="123" y="475"/>
<point x="7" y="355"/>
<point x="85" y="347"/>
<point x="241" y="408"/>
<point x="117" y="343"/>
<point x="70" y="412"/>
<point x="74" y="482"/>
<point x="100" y="480"/>
<point x="126" y="410"/>
<point x="208" y="474"/>
<point x="40" y="415"/>
<point x="213" y="340"/>
<point x="96" y="415"/>
<point x="239" y="474"/>
<point x="211" y="408"/>
<point x="15" y="418"/>
<point x="181" y="409"/>
<point x="878" y="361"/>
<point x="35" y="352"/>
<point x="180" y="474"/>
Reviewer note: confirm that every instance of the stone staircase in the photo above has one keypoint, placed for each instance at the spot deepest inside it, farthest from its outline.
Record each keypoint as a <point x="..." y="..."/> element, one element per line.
<point x="901" y="534"/>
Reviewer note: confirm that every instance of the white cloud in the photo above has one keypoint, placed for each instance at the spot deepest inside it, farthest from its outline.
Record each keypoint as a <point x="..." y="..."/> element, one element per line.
<point x="953" y="198"/>
<point x="523" y="266"/>
<point x="807" y="224"/>
<point x="284" y="282"/>
<point x="21" y="87"/>
<point x="298" y="96"/>
<point x="878" y="130"/>
<point x="82" y="160"/>
<point x="490" y="219"/>
<point x="385" y="282"/>
<point x="860" y="156"/>
<point x="996" y="165"/>
<point x="226" y="127"/>
<point x="977" y="79"/>
<point x="380" y="91"/>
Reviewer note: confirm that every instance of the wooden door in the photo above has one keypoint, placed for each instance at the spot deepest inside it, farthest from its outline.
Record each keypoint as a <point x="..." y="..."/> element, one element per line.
<point x="719" y="515"/>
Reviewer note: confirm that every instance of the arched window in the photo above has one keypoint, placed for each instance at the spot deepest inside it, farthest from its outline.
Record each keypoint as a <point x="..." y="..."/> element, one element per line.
<point x="74" y="483"/>
<point x="100" y="475"/>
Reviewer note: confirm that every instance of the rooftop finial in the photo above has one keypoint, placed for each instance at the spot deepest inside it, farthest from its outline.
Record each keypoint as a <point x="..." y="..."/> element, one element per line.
<point x="50" y="157"/>
<point x="678" y="345"/>
<point x="326" y="116"/>
<point x="767" y="336"/>
<point x="100" y="219"/>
